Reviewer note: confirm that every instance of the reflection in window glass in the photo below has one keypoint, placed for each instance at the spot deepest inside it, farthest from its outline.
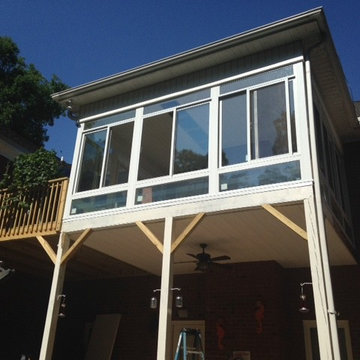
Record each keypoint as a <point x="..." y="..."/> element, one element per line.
<point x="264" y="175"/>
<point x="252" y="80"/>
<point x="91" y="163"/>
<point x="118" y="158"/>
<point x="99" y="202"/>
<point x="234" y="130"/>
<point x="292" y="116"/>
<point x="174" y="190"/>
<point x="109" y="119"/>
<point x="191" y="144"/>
<point x="155" y="146"/>
<point x="268" y="122"/>
<point x="181" y="100"/>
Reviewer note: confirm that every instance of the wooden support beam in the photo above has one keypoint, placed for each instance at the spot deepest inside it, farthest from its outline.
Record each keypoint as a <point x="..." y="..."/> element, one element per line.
<point x="75" y="246"/>
<point x="188" y="230"/>
<point x="286" y="221"/>
<point x="150" y="235"/>
<point x="47" y="248"/>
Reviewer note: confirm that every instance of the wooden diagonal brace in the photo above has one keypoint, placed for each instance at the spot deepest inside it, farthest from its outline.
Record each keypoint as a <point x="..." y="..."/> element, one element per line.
<point x="285" y="220"/>
<point x="150" y="235"/>
<point x="80" y="240"/>
<point x="188" y="230"/>
<point x="47" y="248"/>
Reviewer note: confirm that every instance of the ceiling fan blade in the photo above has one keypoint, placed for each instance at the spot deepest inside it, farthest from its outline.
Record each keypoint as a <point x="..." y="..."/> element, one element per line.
<point x="186" y="262"/>
<point x="221" y="258"/>
<point x="192" y="255"/>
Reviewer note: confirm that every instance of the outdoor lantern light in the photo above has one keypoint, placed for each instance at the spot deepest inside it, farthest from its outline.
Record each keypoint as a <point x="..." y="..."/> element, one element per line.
<point x="178" y="299"/>
<point x="62" y="306"/>
<point x="153" y="302"/>
<point x="303" y="309"/>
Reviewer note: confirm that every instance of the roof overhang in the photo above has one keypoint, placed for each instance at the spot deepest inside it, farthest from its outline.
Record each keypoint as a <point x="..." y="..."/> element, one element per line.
<point x="309" y="28"/>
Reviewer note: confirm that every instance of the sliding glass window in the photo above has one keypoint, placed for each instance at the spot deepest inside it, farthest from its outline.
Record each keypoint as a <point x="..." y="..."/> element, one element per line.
<point x="257" y="123"/>
<point x="92" y="159"/>
<point x="174" y="142"/>
<point x="234" y="130"/>
<point x="191" y="139"/>
<point x="118" y="157"/>
<point x="105" y="157"/>
<point x="268" y="122"/>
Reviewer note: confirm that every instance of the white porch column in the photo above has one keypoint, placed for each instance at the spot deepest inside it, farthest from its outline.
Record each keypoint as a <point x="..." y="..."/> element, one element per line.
<point x="321" y="287"/>
<point x="164" y="338"/>
<point x="54" y="302"/>
<point x="318" y="252"/>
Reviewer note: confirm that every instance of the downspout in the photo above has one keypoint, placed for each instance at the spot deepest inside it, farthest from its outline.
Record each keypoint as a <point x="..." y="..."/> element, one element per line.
<point x="331" y="313"/>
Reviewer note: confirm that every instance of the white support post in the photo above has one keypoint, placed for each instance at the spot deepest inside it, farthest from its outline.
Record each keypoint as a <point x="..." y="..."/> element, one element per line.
<point x="318" y="282"/>
<point x="164" y="338"/>
<point x="54" y="301"/>
<point x="319" y="257"/>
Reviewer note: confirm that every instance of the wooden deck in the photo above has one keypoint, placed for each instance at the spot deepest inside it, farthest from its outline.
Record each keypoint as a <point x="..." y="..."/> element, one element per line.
<point x="43" y="216"/>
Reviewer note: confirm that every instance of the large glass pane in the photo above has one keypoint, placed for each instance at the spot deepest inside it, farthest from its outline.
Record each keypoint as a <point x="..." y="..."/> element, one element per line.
<point x="191" y="144"/>
<point x="268" y="122"/>
<point x="109" y="119"/>
<point x="234" y="130"/>
<point x="292" y="116"/>
<point x="99" y="202"/>
<point x="256" y="79"/>
<point x="92" y="159"/>
<point x="172" y="190"/>
<point x="118" y="158"/>
<point x="181" y="100"/>
<point x="155" y="146"/>
<point x="271" y="174"/>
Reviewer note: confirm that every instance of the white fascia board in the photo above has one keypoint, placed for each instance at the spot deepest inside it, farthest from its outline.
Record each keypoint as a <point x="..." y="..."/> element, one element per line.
<point x="184" y="207"/>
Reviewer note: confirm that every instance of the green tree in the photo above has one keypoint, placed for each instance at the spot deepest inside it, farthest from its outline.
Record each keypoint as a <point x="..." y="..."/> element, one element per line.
<point x="26" y="106"/>
<point x="29" y="172"/>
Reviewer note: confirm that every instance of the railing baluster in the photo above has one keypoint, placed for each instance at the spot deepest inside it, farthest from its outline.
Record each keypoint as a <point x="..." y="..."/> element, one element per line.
<point x="54" y="202"/>
<point x="44" y="216"/>
<point x="47" y="206"/>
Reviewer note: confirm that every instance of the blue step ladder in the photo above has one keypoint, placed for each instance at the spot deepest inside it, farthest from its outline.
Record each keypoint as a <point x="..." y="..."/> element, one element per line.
<point x="189" y="345"/>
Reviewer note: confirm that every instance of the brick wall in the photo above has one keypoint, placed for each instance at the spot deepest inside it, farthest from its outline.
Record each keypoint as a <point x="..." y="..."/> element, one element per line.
<point x="23" y="305"/>
<point x="226" y="294"/>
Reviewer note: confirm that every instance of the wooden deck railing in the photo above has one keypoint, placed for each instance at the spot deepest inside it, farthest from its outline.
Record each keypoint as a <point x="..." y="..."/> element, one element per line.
<point x="43" y="216"/>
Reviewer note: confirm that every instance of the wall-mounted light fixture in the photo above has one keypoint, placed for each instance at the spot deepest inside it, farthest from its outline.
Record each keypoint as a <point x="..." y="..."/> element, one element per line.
<point x="62" y="299"/>
<point x="178" y="299"/>
<point x="303" y="308"/>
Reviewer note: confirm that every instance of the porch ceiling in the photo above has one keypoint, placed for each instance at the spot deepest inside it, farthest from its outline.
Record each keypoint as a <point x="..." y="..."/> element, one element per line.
<point x="246" y="235"/>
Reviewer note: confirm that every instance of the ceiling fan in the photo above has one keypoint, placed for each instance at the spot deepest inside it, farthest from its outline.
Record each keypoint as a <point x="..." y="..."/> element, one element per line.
<point x="204" y="260"/>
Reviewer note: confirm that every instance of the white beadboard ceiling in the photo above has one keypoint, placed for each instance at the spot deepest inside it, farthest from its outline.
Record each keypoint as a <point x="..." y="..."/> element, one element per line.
<point x="245" y="236"/>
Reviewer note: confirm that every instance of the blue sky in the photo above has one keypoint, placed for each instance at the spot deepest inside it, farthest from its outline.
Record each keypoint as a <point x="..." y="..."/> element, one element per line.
<point x="84" y="40"/>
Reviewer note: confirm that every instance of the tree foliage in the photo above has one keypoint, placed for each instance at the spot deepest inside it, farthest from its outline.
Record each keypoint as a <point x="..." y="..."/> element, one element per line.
<point x="26" y="106"/>
<point x="28" y="173"/>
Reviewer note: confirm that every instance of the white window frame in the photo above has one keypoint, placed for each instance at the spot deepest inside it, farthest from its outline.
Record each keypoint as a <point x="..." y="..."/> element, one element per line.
<point x="107" y="129"/>
<point x="171" y="177"/>
<point x="214" y="147"/>
<point x="272" y="159"/>
<point x="311" y="324"/>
